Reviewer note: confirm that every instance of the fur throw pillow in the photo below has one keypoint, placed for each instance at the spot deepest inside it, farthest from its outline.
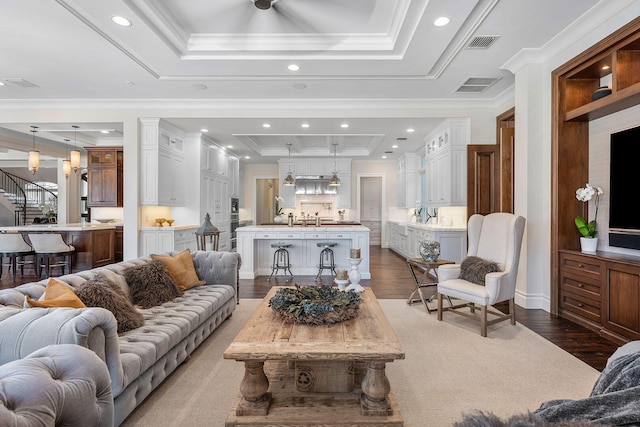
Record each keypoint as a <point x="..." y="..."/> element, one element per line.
<point x="101" y="292"/>
<point x="151" y="284"/>
<point x="473" y="269"/>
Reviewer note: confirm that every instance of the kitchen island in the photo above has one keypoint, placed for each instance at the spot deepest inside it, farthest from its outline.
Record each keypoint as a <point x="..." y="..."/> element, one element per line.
<point x="254" y="245"/>
<point x="94" y="243"/>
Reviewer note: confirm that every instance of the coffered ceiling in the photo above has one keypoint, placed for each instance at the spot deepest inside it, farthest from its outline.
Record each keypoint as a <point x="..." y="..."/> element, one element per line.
<point x="194" y="52"/>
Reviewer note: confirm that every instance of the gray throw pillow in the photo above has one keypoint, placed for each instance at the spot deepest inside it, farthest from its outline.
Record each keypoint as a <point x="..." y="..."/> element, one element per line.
<point x="151" y="284"/>
<point x="473" y="269"/>
<point x="101" y="292"/>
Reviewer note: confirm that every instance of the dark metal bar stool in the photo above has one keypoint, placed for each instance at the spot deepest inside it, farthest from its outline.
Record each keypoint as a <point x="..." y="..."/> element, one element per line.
<point x="326" y="258"/>
<point x="281" y="260"/>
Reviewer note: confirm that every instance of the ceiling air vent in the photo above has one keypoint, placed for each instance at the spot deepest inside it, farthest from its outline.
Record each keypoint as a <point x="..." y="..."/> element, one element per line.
<point x="477" y="84"/>
<point x="20" y="82"/>
<point x="401" y="138"/>
<point x="482" y="42"/>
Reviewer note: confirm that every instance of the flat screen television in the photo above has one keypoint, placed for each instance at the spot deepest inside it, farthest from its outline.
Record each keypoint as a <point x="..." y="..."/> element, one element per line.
<point x="624" y="221"/>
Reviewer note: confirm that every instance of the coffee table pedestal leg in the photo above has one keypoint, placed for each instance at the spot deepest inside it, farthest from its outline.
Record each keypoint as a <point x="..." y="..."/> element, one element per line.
<point x="253" y="388"/>
<point x="374" y="399"/>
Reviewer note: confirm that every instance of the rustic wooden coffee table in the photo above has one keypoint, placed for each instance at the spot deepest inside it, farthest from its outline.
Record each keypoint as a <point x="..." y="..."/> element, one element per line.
<point x="316" y="375"/>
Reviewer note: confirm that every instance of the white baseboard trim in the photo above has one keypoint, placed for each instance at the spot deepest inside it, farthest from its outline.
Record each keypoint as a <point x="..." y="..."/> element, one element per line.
<point x="533" y="301"/>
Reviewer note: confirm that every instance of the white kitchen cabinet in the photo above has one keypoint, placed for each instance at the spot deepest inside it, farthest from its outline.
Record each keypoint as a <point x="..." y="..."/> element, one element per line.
<point x="343" y="198"/>
<point x="407" y="238"/>
<point x="163" y="176"/>
<point x="406" y="180"/>
<point x="161" y="240"/>
<point x="234" y="177"/>
<point x="446" y="164"/>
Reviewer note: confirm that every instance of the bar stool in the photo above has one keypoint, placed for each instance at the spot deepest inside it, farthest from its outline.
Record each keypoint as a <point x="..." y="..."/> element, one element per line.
<point x="326" y="258"/>
<point x="14" y="247"/>
<point x="281" y="260"/>
<point x="49" y="248"/>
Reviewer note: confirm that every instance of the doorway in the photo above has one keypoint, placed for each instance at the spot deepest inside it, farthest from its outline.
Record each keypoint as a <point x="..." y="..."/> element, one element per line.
<point x="266" y="190"/>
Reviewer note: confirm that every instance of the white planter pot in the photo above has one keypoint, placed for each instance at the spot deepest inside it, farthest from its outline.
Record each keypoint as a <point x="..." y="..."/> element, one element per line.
<point x="277" y="220"/>
<point x="588" y="244"/>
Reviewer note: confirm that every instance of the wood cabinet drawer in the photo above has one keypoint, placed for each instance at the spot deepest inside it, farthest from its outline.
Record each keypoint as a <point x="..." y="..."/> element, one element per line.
<point x="580" y="305"/>
<point x="583" y="264"/>
<point x="588" y="286"/>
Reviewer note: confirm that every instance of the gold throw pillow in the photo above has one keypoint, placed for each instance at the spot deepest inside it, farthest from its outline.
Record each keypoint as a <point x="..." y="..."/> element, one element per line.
<point x="181" y="268"/>
<point x="57" y="294"/>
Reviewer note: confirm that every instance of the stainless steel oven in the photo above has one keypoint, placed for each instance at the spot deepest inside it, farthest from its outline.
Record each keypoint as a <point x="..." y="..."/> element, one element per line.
<point x="235" y="221"/>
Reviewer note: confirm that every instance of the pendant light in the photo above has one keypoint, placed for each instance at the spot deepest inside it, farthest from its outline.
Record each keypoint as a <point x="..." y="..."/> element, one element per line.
<point x="66" y="163"/>
<point x="34" y="155"/>
<point x="334" y="181"/>
<point x="74" y="155"/>
<point x="289" y="181"/>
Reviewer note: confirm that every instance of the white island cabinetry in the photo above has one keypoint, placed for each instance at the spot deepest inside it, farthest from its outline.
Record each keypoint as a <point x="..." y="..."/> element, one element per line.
<point x="254" y="245"/>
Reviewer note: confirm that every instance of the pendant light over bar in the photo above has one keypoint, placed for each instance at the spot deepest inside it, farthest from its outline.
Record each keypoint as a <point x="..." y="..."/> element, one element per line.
<point x="74" y="155"/>
<point x="289" y="181"/>
<point x="334" y="181"/>
<point x="34" y="155"/>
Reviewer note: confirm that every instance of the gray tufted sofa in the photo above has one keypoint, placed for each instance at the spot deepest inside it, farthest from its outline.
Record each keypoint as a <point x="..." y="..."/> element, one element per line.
<point x="137" y="361"/>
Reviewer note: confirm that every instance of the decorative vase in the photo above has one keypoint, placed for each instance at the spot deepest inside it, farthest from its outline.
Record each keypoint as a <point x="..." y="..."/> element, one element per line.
<point x="429" y="250"/>
<point x="277" y="219"/>
<point x="588" y="244"/>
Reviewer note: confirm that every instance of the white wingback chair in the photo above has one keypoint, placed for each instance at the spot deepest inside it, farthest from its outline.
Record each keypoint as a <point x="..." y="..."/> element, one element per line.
<point x="495" y="237"/>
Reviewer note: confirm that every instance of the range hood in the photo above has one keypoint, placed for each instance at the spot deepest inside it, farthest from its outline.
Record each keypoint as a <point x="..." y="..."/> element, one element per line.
<point x="317" y="184"/>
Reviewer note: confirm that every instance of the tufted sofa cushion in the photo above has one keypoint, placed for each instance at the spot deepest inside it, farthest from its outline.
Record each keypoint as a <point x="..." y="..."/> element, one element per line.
<point x="67" y="377"/>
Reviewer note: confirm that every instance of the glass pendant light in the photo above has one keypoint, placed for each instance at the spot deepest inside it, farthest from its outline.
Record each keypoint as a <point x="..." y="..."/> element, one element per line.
<point x="34" y="155"/>
<point x="289" y="181"/>
<point x="74" y="155"/>
<point x="334" y="181"/>
<point x="66" y="163"/>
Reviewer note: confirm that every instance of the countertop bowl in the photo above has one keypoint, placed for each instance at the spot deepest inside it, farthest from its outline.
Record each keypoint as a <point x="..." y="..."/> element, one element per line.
<point x="105" y="220"/>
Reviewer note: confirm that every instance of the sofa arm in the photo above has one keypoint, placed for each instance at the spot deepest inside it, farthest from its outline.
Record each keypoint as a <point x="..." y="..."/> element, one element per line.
<point x="217" y="268"/>
<point x="57" y="385"/>
<point x="33" y="328"/>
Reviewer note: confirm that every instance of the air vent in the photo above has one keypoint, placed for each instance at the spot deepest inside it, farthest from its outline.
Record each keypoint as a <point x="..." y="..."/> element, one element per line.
<point x="482" y="42"/>
<point x="388" y="152"/>
<point x="401" y="138"/>
<point x="477" y="84"/>
<point x="20" y="82"/>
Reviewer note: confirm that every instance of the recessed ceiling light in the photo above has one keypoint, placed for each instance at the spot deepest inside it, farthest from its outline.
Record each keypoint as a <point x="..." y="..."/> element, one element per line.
<point x="229" y="146"/>
<point x="104" y="131"/>
<point x="1" y="84"/>
<point x="394" y="146"/>
<point x="305" y="125"/>
<point x="204" y="130"/>
<point x="293" y="67"/>
<point x="441" y="21"/>
<point x="384" y="157"/>
<point x="247" y="157"/>
<point x="344" y="125"/>
<point x="266" y="125"/>
<point x="411" y="130"/>
<point x="120" y="20"/>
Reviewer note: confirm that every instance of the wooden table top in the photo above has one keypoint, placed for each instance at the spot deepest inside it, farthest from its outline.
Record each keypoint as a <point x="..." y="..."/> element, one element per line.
<point x="369" y="336"/>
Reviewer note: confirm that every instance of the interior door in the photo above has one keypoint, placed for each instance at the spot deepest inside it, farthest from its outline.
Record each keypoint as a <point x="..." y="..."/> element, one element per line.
<point x="371" y="207"/>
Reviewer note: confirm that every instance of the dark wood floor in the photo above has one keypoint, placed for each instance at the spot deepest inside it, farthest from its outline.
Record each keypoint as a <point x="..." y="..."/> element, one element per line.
<point x="392" y="280"/>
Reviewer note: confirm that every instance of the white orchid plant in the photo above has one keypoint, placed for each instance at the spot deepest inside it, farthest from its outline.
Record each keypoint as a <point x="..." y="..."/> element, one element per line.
<point x="278" y="209"/>
<point x="588" y="229"/>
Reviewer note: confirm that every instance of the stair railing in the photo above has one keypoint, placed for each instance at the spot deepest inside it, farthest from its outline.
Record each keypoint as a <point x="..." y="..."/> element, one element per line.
<point x="24" y="192"/>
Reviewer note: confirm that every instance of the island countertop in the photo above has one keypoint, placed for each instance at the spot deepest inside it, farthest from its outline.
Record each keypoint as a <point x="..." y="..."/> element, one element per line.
<point x="297" y="227"/>
<point x="57" y="227"/>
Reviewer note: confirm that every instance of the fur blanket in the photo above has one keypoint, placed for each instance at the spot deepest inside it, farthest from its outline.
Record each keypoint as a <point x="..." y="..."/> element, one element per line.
<point x="614" y="400"/>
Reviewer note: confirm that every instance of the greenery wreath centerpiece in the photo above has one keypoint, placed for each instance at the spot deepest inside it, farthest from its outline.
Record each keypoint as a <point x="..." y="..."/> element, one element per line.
<point x="315" y="305"/>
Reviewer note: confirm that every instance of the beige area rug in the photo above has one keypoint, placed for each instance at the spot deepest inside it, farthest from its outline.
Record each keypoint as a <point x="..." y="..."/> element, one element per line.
<point x="449" y="369"/>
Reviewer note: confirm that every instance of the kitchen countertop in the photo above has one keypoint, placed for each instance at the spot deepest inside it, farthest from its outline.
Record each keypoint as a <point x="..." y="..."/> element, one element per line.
<point x="434" y="227"/>
<point x="170" y="228"/>
<point x="285" y="227"/>
<point x="59" y="227"/>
